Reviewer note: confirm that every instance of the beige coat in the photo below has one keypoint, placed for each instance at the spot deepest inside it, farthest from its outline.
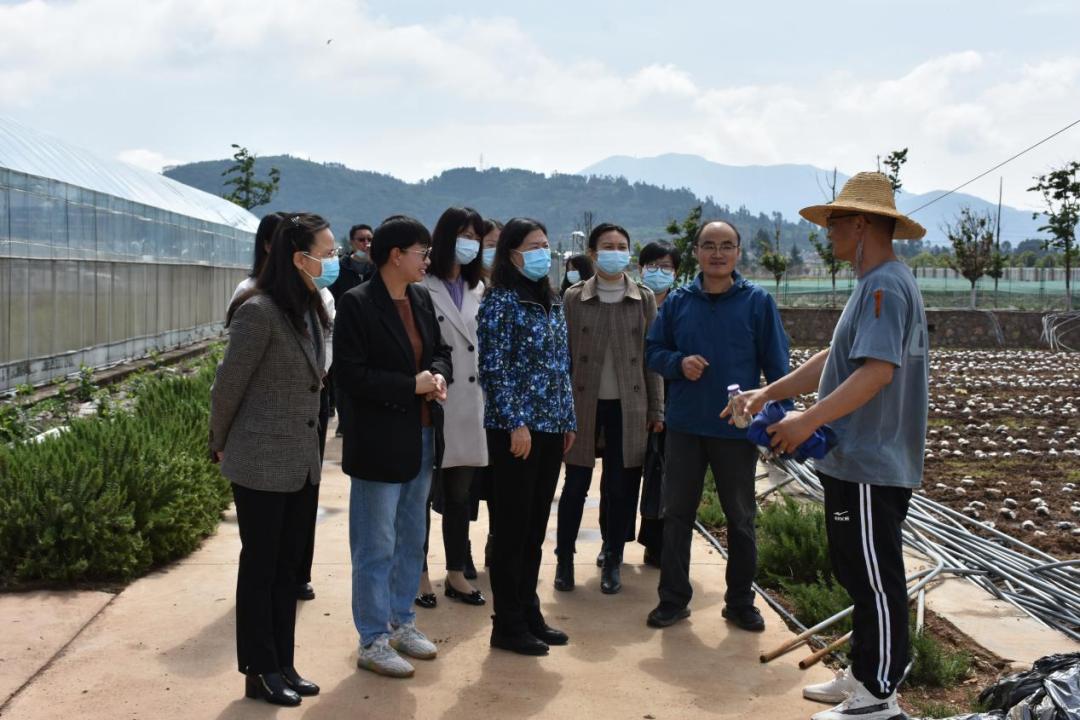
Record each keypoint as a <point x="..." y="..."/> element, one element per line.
<point x="592" y="327"/>
<point x="463" y="426"/>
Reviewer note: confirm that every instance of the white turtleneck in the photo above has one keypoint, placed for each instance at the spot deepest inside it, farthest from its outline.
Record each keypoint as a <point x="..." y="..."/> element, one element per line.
<point x="609" y="292"/>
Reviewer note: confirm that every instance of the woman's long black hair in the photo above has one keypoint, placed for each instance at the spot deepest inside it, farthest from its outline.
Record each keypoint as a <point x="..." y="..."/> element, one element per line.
<point x="444" y="244"/>
<point x="280" y="278"/>
<point x="263" y="237"/>
<point x="505" y="273"/>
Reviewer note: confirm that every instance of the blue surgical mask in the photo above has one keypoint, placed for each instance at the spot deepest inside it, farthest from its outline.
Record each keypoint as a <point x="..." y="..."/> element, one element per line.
<point x="488" y="257"/>
<point x="658" y="280"/>
<point x="466" y="250"/>
<point x="330" y="269"/>
<point x="573" y="277"/>
<point x="612" y="261"/>
<point x="537" y="263"/>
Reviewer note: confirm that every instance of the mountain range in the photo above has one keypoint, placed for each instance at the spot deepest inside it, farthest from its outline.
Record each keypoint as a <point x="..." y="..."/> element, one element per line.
<point x="786" y="188"/>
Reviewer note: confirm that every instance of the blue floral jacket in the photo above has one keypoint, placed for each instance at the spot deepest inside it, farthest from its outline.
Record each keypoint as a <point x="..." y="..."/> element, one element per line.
<point x="524" y="364"/>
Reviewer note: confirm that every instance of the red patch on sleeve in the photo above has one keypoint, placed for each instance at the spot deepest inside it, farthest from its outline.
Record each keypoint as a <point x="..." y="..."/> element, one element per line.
<point x="878" y="296"/>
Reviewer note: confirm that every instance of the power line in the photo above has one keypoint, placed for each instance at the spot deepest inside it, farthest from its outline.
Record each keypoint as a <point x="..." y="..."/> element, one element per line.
<point x="999" y="165"/>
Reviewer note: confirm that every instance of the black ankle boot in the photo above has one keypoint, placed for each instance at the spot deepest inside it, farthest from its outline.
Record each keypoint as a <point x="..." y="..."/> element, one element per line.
<point x="272" y="688"/>
<point x="610" y="577"/>
<point x="564" y="573"/>
<point x="300" y="685"/>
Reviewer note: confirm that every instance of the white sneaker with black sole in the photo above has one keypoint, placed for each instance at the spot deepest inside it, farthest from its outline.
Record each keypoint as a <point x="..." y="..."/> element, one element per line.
<point x="862" y="705"/>
<point x="834" y="691"/>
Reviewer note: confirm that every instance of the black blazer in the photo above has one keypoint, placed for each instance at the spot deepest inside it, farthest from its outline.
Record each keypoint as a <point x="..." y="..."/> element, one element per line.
<point x="375" y="371"/>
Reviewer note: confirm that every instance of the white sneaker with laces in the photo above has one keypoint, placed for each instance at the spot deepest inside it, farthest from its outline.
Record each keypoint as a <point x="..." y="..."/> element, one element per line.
<point x="834" y="691"/>
<point x="379" y="657"/>
<point x="862" y="705"/>
<point x="410" y="641"/>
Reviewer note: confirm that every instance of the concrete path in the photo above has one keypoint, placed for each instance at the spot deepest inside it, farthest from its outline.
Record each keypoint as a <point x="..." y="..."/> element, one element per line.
<point x="164" y="647"/>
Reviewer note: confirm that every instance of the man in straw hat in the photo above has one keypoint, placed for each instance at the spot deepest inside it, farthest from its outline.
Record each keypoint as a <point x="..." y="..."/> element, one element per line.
<point x="872" y="388"/>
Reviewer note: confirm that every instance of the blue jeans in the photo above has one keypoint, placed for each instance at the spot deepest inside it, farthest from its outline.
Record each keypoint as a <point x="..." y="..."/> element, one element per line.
<point x="387" y="522"/>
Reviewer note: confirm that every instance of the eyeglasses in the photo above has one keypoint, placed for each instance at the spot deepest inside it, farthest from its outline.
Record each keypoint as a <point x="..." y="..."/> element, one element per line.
<point x="713" y="249"/>
<point x="330" y="254"/>
<point x="658" y="266"/>
<point x="425" y="253"/>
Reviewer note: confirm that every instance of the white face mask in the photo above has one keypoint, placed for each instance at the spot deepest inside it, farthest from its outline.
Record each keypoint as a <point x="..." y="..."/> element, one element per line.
<point x="466" y="250"/>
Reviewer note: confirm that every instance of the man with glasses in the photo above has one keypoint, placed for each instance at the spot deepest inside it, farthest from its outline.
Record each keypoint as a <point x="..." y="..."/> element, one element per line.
<point x="872" y="384"/>
<point x="718" y="331"/>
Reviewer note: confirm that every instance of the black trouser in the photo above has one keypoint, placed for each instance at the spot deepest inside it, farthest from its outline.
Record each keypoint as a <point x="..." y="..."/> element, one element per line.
<point x="523" y="493"/>
<point x="863" y="526"/>
<point x="343" y="404"/>
<point x="273" y="529"/>
<point x="733" y="463"/>
<point x="303" y="573"/>
<point x="456" y="511"/>
<point x="618" y="489"/>
<point x="651" y="535"/>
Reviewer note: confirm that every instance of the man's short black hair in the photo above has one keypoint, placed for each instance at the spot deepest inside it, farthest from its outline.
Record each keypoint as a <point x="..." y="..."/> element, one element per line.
<point x="707" y="223"/>
<point x="357" y="228"/>
<point x="658" y="250"/>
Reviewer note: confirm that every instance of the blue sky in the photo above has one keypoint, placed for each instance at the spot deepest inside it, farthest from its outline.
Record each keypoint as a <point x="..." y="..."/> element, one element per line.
<point x="412" y="88"/>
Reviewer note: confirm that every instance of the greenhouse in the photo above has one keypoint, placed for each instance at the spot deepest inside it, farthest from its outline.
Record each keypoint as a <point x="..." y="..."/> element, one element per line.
<point x="101" y="262"/>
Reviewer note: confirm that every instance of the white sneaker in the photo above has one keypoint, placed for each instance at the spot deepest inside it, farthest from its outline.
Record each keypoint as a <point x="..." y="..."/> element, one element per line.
<point x="379" y="657"/>
<point x="834" y="691"/>
<point x="410" y="641"/>
<point x="862" y="705"/>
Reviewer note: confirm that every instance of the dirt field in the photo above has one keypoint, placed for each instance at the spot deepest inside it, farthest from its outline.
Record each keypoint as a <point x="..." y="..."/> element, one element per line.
<point x="1003" y="443"/>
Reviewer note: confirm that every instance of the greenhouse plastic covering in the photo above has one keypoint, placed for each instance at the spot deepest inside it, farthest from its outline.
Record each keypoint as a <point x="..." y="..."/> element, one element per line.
<point x="34" y="153"/>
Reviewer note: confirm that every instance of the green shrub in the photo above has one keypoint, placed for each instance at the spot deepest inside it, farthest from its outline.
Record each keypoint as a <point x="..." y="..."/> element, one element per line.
<point x="814" y="602"/>
<point x="709" y="513"/>
<point x="792" y="545"/>
<point x="934" y="664"/>
<point x="113" y="496"/>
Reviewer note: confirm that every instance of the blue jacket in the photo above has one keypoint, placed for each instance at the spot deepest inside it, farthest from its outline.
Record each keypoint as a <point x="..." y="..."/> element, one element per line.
<point x="524" y="364"/>
<point x="738" y="332"/>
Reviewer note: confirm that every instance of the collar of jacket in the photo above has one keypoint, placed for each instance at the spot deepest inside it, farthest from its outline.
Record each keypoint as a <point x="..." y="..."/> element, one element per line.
<point x="380" y="295"/>
<point x="589" y="292"/>
<point x="738" y="282"/>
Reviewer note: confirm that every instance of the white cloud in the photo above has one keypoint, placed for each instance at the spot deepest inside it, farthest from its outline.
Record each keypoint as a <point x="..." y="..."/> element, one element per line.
<point x="189" y="77"/>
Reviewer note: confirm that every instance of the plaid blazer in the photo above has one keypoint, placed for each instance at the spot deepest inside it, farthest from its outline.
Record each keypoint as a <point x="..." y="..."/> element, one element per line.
<point x="264" y="404"/>
<point x="593" y="327"/>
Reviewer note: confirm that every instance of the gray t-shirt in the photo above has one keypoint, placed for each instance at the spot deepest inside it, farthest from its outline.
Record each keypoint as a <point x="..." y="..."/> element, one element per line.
<point x="882" y="442"/>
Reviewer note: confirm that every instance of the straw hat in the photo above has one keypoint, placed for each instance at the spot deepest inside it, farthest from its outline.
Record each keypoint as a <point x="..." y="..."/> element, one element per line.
<point x="871" y="193"/>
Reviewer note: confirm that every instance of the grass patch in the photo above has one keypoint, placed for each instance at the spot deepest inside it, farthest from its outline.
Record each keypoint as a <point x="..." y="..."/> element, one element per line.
<point x="115" y="495"/>
<point x="792" y="545"/>
<point x="935" y="665"/>
<point x="936" y="709"/>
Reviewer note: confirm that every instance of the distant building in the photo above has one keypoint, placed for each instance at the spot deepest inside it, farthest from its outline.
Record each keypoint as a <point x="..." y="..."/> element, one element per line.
<point x="102" y="262"/>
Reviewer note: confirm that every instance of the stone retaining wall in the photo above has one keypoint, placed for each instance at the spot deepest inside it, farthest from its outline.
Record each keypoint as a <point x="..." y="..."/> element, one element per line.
<point x="948" y="328"/>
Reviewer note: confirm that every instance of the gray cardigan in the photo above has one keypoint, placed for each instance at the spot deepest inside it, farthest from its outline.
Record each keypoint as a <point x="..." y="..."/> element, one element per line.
<point x="264" y="404"/>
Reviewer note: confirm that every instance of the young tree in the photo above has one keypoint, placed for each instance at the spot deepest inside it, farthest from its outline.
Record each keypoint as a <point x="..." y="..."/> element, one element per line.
<point x="832" y="263"/>
<point x="972" y="238"/>
<point x="1060" y="189"/>
<point x="770" y="257"/>
<point x="795" y="261"/>
<point x="683" y="234"/>
<point x="893" y="162"/>
<point x="248" y="192"/>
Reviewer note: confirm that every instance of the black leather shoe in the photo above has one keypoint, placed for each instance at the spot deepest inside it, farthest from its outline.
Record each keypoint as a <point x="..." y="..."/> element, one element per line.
<point x="564" y="574"/>
<point x="271" y="687"/>
<point x="610" y="576"/>
<point x="524" y="643"/>
<point x="600" y="555"/>
<point x="470" y="568"/>
<point x="474" y="598"/>
<point x="305" y="592"/>
<point x="547" y="634"/>
<point x="746" y="617"/>
<point x="489" y="549"/>
<point x="426" y="600"/>
<point x="300" y="685"/>
<point x="664" y="615"/>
